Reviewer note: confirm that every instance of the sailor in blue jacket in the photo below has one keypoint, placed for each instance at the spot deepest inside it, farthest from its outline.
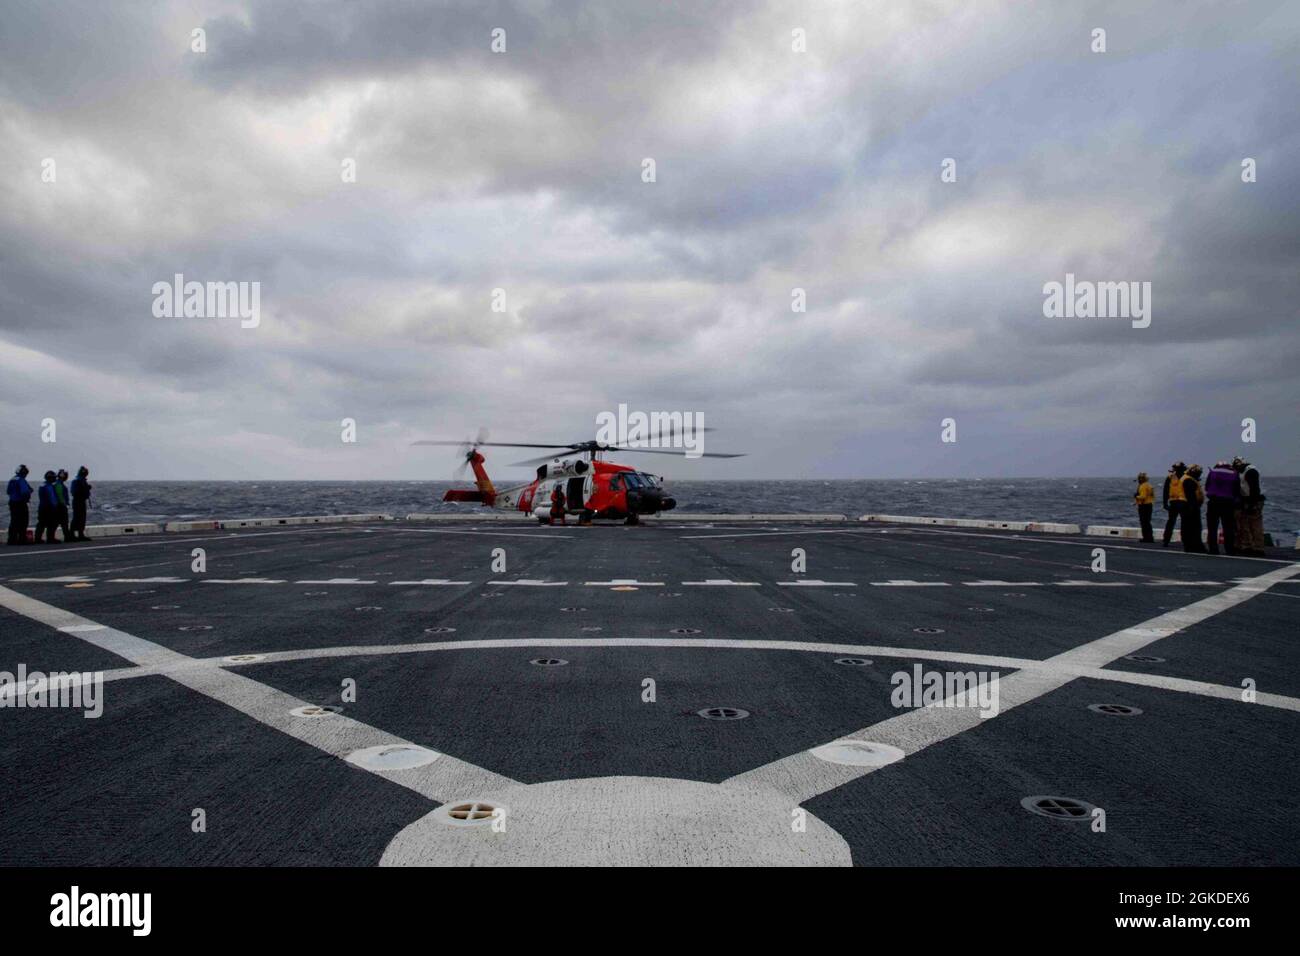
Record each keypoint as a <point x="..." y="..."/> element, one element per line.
<point x="47" y="508"/>
<point x="20" y="492"/>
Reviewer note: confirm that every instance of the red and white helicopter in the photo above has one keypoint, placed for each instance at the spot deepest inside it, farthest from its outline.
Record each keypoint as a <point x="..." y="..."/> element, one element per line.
<point x="591" y="487"/>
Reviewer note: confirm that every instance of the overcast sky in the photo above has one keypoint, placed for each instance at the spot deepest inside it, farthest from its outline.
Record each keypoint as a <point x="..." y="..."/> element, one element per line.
<point x="775" y="169"/>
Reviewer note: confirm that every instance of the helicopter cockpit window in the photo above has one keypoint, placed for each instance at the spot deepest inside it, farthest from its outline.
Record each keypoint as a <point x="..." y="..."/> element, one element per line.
<point x="650" y="481"/>
<point x="633" y="479"/>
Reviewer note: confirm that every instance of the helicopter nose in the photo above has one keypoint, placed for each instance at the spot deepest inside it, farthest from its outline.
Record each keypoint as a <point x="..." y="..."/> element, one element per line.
<point x="643" y="502"/>
<point x="648" y="501"/>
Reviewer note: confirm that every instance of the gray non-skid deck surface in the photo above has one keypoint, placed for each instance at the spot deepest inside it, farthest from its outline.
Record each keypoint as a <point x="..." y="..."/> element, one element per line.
<point x="1196" y="779"/>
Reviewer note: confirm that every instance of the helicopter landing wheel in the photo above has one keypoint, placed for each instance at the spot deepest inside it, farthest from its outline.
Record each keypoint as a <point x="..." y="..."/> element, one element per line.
<point x="632" y="519"/>
<point x="584" y="518"/>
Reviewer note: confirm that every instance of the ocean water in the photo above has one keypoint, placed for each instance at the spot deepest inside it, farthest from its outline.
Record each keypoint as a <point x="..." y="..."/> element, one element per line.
<point x="1077" y="500"/>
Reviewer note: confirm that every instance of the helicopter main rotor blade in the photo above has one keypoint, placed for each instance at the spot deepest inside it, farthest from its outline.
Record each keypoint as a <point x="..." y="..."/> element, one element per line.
<point x="674" y="451"/>
<point x="544" y="459"/>
<point x="488" y="444"/>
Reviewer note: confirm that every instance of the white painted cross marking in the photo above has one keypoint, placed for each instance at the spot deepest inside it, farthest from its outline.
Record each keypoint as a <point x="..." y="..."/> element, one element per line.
<point x="802" y="776"/>
<point x="442" y="779"/>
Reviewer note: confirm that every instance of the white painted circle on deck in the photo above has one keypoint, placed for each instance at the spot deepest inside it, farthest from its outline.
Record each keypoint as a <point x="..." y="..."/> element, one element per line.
<point x="857" y="753"/>
<point x="316" y="710"/>
<point x="624" y="821"/>
<point x="392" y="757"/>
<point x="469" y="813"/>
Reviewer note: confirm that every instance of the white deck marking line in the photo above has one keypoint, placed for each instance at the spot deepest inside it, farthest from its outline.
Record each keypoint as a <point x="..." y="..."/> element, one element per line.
<point x="815" y="583"/>
<point x="446" y="778"/>
<point x="1073" y="565"/>
<point x="1032" y="537"/>
<point x="905" y="583"/>
<point x="241" y="581"/>
<point x="148" y="580"/>
<point x="336" y="581"/>
<point x="164" y="538"/>
<point x="67" y="578"/>
<point x="122" y="568"/>
<point x="802" y="776"/>
<point x="711" y="582"/>
<point x="527" y="583"/>
<point x="1159" y="681"/>
<point x="492" y="534"/>
<point x="428" y="582"/>
<point x="769" y="534"/>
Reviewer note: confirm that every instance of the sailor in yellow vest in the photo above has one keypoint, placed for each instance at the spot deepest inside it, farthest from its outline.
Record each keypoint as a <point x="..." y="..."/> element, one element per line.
<point x="1173" y="498"/>
<point x="1145" y="499"/>
<point x="1194" y="497"/>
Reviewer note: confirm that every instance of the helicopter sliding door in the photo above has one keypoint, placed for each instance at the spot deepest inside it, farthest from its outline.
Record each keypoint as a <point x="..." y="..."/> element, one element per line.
<point x="575" y="495"/>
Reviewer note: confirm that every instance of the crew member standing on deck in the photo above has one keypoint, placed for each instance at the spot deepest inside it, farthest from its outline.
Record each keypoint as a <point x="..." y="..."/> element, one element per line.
<point x="1145" y="499"/>
<point x="1222" y="491"/>
<point x="61" y="489"/>
<point x="557" y="505"/>
<point x="47" y="508"/>
<point x="1194" y="497"/>
<point x="20" y="493"/>
<point x="1173" y="499"/>
<point x="80" y="502"/>
<point x="1250" y="515"/>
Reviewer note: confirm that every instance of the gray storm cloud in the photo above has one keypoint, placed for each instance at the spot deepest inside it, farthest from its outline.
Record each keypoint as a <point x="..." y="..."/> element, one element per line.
<point x="521" y="171"/>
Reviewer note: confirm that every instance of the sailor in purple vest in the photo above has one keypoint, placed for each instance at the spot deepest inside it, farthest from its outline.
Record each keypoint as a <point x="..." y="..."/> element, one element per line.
<point x="1222" y="495"/>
